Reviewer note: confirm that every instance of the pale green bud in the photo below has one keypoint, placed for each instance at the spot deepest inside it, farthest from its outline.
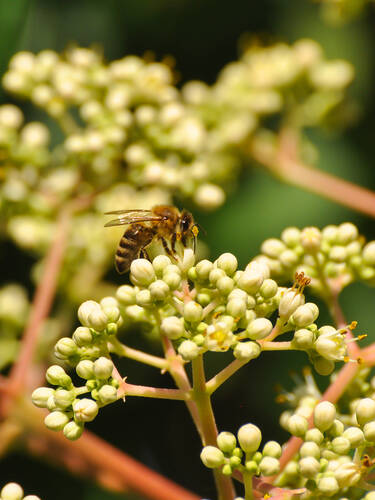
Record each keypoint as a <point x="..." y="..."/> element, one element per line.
<point x="173" y="280"/>
<point x="228" y="263"/>
<point x="215" y="275"/>
<point x="85" y="369"/>
<point x="328" y="485"/>
<point x="142" y="272"/>
<point x="324" y="366"/>
<point x="226" y="441"/>
<point x="188" y="350"/>
<point x="291" y="236"/>
<point x="355" y="436"/>
<point x="252" y="466"/>
<point x="85" y="310"/>
<point x="56" y="420"/>
<point x="212" y="457"/>
<point x="249" y="437"/>
<point x="209" y="196"/>
<point x="112" y="314"/>
<point x="172" y="327"/>
<point x="365" y="411"/>
<point x="289" y="302"/>
<point x="269" y="466"/>
<point x="247" y="350"/>
<point x="310" y="239"/>
<point x="126" y="294"/>
<point x="227" y="470"/>
<point x="12" y="491"/>
<point x="31" y="497"/>
<point x="251" y="280"/>
<point x="324" y="415"/>
<point x="234" y="462"/>
<point x="272" y="248"/>
<point x="136" y="313"/>
<point x="41" y="395"/>
<point x="65" y="348"/>
<point x="193" y="312"/>
<point x="309" y="467"/>
<point x="369" y="253"/>
<point x="369" y="496"/>
<point x="56" y="375"/>
<point x="338" y="254"/>
<point x="225" y="285"/>
<point x="291" y="469"/>
<point x="337" y="428"/>
<point x="238" y="294"/>
<point x="159" y="290"/>
<point x="341" y="445"/>
<point x="188" y="260"/>
<point x="272" y="449"/>
<point x="103" y="368"/>
<point x="85" y="410"/>
<point x="143" y="298"/>
<point x="73" y="431"/>
<point x="82" y="336"/>
<point x="268" y="289"/>
<point x="289" y="258"/>
<point x="107" y="394"/>
<point x="236" y="308"/>
<point x="297" y="425"/>
<point x="51" y="405"/>
<point x="369" y="431"/>
<point x="310" y="449"/>
<point x="304" y="339"/>
<point x="259" y="329"/>
<point x="160" y="263"/>
<point x="109" y="302"/>
<point x="63" y="398"/>
<point x="203" y="269"/>
<point x="347" y="474"/>
<point x="314" y="435"/>
<point x="305" y="315"/>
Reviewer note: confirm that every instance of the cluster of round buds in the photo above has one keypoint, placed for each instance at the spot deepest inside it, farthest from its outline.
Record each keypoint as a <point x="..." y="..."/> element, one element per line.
<point x="324" y="255"/>
<point x="13" y="491"/>
<point x="334" y="457"/>
<point x="68" y="412"/>
<point x="242" y="453"/>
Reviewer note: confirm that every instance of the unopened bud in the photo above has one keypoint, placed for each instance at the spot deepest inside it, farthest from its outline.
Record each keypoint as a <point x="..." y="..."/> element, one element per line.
<point x="11" y="491"/>
<point x="247" y="350"/>
<point x="41" y="395"/>
<point x="56" y="375"/>
<point x="142" y="272"/>
<point x="73" y="431"/>
<point x="226" y="441"/>
<point x="103" y="368"/>
<point x="56" y="420"/>
<point x="188" y="350"/>
<point x="365" y="411"/>
<point x="85" y="369"/>
<point x="259" y="329"/>
<point x="297" y="425"/>
<point x="212" y="457"/>
<point x="85" y="410"/>
<point x="249" y="437"/>
<point x="228" y="263"/>
<point x="324" y="415"/>
<point x="272" y="449"/>
<point x="269" y="466"/>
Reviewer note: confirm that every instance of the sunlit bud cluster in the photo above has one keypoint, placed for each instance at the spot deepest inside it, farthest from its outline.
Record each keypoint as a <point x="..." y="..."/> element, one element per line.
<point x="242" y="453"/>
<point x="13" y="491"/>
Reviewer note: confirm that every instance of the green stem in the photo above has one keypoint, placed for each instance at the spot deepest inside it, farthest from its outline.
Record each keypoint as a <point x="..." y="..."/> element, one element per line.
<point x="216" y="381"/>
<point x="248" y="483"/>
<point x="151" y="392"/>
<point x="201" y="396"/>
<point x="128" y="352"/>
<point x="277" y="346"/>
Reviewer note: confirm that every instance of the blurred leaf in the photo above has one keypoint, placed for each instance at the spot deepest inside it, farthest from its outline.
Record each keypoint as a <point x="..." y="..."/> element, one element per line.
<point x="8" y="351"/>
<point x="12" y="17"/>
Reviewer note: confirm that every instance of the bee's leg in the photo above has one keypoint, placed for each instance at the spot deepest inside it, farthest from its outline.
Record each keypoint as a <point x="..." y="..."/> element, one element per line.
<point x="194" y="244"/>
<point x="166" y="247"/>
<point x="173" y="243"/>
<point x="146" y="255"/>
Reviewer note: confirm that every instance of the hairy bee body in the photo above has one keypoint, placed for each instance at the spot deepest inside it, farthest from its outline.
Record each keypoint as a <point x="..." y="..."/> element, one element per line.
<point x="163" y="222"/>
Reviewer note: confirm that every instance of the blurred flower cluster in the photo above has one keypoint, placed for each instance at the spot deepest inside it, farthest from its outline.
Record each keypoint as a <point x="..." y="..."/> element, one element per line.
<point x="13" y="491"/>
<point x="340" y="11"/>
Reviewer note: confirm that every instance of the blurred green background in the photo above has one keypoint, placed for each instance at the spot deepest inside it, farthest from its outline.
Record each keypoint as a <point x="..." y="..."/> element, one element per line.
<point x="203" y="36"/>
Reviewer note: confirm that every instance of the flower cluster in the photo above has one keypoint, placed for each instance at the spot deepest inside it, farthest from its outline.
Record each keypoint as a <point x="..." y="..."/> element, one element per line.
<point x="333" y="257"/>
<point x="340" y="11"/>
<point x="244" y="455"/>
<point x="13" y="491"/>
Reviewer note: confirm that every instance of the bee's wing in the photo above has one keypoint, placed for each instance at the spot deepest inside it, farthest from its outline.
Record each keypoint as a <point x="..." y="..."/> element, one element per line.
<point x="131" y="219"/>
<point x="137" y="211"/>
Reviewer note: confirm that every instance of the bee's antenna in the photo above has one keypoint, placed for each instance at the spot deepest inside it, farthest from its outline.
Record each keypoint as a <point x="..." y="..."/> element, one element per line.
<point x="201" y="228"/>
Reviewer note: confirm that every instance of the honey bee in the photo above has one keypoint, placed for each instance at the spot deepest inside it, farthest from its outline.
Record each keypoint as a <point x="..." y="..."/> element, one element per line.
<point x="163" y="222"/>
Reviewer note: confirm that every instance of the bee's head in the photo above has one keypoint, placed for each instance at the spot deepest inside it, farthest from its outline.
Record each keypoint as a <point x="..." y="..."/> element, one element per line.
<point x="187" y="226"/>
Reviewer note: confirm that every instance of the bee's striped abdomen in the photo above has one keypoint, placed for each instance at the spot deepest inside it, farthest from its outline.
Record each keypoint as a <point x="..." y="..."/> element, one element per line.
<point x="133" y="240"/>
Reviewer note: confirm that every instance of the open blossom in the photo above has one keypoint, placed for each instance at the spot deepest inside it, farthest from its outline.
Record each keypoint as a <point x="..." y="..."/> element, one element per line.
<point x="331" y="344"/>
<point x="219" y="337"/>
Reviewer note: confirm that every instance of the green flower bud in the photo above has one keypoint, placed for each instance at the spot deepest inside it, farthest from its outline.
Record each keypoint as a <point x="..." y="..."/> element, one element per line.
<point x="291" y="469"/>
<point x="109" y="302"/>
<point x="249" y="437"/>
<point x="73" y="431"/>
<point x="225" y="285"/>
<point x="228" y="263"/>
<point x="304" y="339"/>
<point x="173" y="280"/>
<point x="85" y="410"/>
<point x="56" y="420"/>
<point x="355" y="436"/>
<point x="126" y="294"/>
<point x="328" y="485"/>
<point x="226" y="441"/>
<point x="305" y="315"/>
<point x="365" y="411"/>
<point x="159" y="290"/>
<point x="289" y="258"/>
<point x="188" y="260"/>
<point x="338" y="254"/>
<point x="85" y="369"/>
<point x="12" y="491"/>
<point x="236" y="308"/>
<point x="289" y="302"/>
<point x="238" y="294"/>
<point x="297" y="425"/>
<point x="314" y="435"/>
<point x="63" y="398"/>
<point x="172" y="327"/>
<point x="112" y="314"/>
<point x="259" y="329"/>
<point x="65" y="348"/>
<point x="268" y="289"/>
<point x="346" y="233"/>
<point x="160" y="263"/>
<point x="212" y="457"/>
<point x="291" y="236"/>
<point x="369" y="431"/>
<point x="215" y="275"/>
<point x="51" y="405"/>
<point x="272" y="449"/>
<point x="143" y="298"/>
<point x="227" y="470"/>
<point x="142" y="272"/>
<point x="251" y="280"/>
<point x="97" y="320"/>
<point x="103" y="368"/>
<point x="136" y="313"/>
<point x="193" y="312"/>
<point x="56" y="375"/>
<point x="272" y="248"/>
<point x="341" y="445"/>
<point x="369" y="496"/>
<point x="41" y="395"/>
<point x="252" y="466"/>
<point x="234" y="462"/>
<point x="369" y="253"/>
<point x="107" y="394"/>
<point x="31" y="497"/>
<point x="310" y="239"/>
<point x="269" y="466"/>
<point x="309" y="467"/>
<point x="337" y="428"/>
<point x="310" y="449"/>
<point x="203" y="269"/>
<point x="86" y="309"/>
<point x="324" y="366"/>
<point x="324" y="415"/>
<point x="82" y="336"/>
<point x="188" y="350"/>
<point x="347" y="475"/>
<point x="247" y="350"/>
